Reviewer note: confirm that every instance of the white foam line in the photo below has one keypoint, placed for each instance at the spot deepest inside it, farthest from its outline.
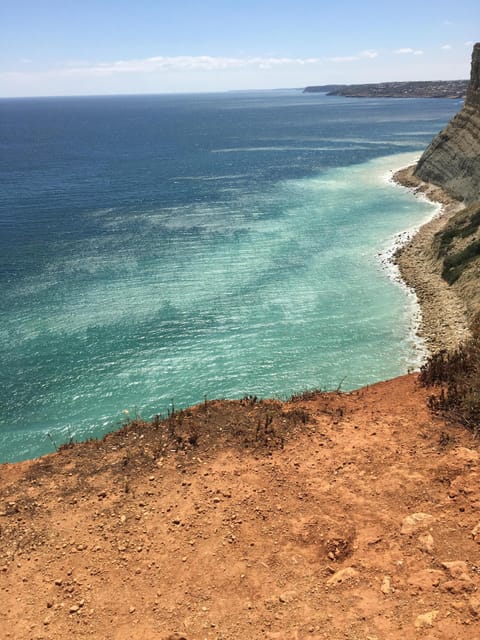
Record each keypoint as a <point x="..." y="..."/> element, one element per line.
<point x="387" y="262"/>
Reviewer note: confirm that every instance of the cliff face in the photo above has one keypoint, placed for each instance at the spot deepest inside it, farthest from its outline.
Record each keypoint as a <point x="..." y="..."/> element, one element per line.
<point x="452" y="160"/>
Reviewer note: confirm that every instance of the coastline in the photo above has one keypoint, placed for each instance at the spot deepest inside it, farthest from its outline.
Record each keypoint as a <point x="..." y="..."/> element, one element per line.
<point x="443" y="316"/>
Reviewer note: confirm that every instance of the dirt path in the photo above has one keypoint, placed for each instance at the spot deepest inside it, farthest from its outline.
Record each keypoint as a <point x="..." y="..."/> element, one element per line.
<point x="283" y="522"/>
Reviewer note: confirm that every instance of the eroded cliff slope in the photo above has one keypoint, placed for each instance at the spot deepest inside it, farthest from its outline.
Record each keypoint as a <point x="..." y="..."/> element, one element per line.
<point x="452" y="160"/>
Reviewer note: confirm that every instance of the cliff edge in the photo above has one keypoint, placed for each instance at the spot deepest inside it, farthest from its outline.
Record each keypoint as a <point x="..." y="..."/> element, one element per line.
<point x="442" y="262"/>
<point x="452" y="160"/>
<point x="332" y="516"/>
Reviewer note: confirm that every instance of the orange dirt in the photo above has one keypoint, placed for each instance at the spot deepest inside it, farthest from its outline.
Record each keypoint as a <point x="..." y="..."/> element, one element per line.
<point x="246" y="520"/>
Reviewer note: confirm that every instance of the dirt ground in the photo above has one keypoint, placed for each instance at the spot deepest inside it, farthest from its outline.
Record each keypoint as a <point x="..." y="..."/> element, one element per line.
<point x="352" y="516"/>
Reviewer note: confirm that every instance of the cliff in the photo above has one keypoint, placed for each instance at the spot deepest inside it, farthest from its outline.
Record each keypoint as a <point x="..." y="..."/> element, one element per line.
<point x="452" y="160"/>
<point x="330" y="516"/>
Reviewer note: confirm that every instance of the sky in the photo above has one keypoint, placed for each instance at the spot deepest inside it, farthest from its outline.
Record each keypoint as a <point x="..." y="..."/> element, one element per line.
<point x="91" y="47"/>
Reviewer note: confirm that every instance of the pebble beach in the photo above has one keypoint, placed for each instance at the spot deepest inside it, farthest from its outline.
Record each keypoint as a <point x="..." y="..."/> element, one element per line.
<point x="444" y="320"/>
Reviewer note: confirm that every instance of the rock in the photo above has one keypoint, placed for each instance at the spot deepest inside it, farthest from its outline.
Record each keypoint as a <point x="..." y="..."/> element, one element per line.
<point x="458" y="586"/>
<point x="426" y="580"/>
<point x="476" y="533"/>
<point x="287" y="596"/>
<point x="457" y="569"/>
<point x="386" y="587"/>
<point x="416" y="522"/>
<point x="74" y="608"/>
<point x="426" y="543"/>
<point x="341" y="576"/>
<point x="466" y="455"/>
<point x="426" y="619"/>
<point x="474" y="606"/>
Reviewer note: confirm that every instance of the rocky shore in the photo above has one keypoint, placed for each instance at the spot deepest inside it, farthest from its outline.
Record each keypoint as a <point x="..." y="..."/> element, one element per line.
<point x="444" y="318"/>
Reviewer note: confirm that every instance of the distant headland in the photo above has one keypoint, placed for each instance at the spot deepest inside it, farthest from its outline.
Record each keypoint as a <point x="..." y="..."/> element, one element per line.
<point x="453" y="89"/>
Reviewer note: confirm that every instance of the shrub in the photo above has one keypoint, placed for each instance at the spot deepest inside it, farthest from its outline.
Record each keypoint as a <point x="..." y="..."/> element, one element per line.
<point x="457" y="378"/>
<point x="455" y="264"/>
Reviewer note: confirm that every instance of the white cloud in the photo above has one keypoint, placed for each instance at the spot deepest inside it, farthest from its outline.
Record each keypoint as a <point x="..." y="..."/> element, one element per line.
<point x="409" y="50"/>
<point x="446" y="47"/>
<point x="182" y="63"/>
<point x="343" y="59"/>
<point x="370" y="53"/>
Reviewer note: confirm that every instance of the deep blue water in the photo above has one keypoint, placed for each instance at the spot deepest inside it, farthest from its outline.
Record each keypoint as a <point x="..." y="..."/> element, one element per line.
<point x="171" y="247"/>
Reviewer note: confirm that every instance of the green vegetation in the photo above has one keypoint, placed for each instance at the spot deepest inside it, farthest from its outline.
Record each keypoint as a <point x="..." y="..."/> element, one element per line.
<point x="455" y="264"/>
<point x="464" y="225"/>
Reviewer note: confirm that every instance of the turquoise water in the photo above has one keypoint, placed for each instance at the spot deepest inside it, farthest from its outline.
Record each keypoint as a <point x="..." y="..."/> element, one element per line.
<point x="159" y="249"/>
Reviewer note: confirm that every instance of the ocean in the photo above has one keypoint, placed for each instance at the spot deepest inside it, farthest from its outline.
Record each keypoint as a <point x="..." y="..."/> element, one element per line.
<point x="157" y="250"/>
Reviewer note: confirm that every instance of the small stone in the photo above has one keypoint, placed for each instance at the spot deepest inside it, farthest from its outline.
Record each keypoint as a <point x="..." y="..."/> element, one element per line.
<point x="386" y="587"/>
<point x="74" y="608"/>
<point x="47" y="620"/>
<point x="287" y="596"/>
<point x="474" y="606"/>
<point x="58" y="582"/>
<point x="426" y="543"/>
<point x="416" y="522"/>
<point x="426" y="619"/>
<point x="458" y="569"/>
<point x="131" y="609"/>
<point x="476" y="533"/>
<point x="341" y="576"/>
